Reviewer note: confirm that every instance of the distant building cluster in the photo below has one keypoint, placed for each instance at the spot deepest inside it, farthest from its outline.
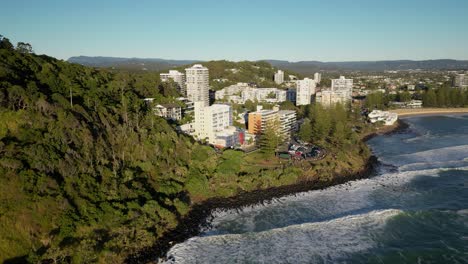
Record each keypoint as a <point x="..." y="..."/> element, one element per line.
<point x="241" y="92"/>
<point x="214" y="123"/>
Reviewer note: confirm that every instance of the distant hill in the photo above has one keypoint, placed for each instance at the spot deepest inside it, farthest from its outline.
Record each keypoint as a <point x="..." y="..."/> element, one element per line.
<point x="308" y="67"/>
<point x="135" y="64"/>
<point x="302" y="67"/>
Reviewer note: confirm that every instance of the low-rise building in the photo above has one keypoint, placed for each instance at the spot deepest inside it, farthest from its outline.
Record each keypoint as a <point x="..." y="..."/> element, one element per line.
<point x="169" y="111"/>
<point x="178" y="78"/>
<point x="285" y="119"/>
<point x="268" y="95"/>
<point x="460" y="80"/>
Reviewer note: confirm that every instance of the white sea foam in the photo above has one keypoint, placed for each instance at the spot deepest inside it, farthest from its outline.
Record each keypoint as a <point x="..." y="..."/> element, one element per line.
<point x="350" y="198"/>
<point x="304" y="243"/>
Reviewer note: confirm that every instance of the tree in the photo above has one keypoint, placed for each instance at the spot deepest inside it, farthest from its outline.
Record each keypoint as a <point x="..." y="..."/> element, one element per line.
<point x="305" y="132"/>
<point x="404" y="97"/>
<point x="5" y="43"/>
<point x="24" y="47"/>
<point x="270" y="138"/>
<point x="430" y="99"/>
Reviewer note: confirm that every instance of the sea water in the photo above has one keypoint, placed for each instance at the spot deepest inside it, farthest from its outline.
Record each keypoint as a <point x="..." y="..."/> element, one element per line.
<point x="413" y="210"/>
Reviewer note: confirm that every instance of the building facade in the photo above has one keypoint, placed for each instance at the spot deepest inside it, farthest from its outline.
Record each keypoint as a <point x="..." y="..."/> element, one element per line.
<point x="285" y="119"/>
<point x="460" y="80"/>
<point x="317" y="77"/>
<point x="342" y="84"/>
<point x="279" y="77"/>
<point x="178" y="78"/>
<point x="169" y="111"/>
<point x="214" y="124"/>
<point x="304" y="92"/>
<point x="197" y="84"/>
<point x="288" y="123"/>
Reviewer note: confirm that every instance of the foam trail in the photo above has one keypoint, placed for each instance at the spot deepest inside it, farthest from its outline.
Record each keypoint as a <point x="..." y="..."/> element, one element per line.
<point x="305" y="243"/>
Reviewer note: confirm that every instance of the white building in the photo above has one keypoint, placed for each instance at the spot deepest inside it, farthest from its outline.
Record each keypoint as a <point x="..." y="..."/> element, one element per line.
<point x="328" y="97"/>
<point x="317" y="77"/>
<point x="383" y="116"/>
<point x="288" y="122"/>
<point x="304" y="92"/>
<point x="460" y="80"/>
<point x="279" y="77"/>
<point x="214" y="123"/>
<point x="268" y="95"/>
<point x="177" y="77"/>
<point x="197" y="84"/>
<point x="169" y="111"/>
<point x="342" y="84"/>
<point x="232" y="93"/>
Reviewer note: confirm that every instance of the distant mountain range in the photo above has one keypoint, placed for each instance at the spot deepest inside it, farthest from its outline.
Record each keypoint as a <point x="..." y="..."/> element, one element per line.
<point x="129" y="63"/>
<point x="303" y="67"/>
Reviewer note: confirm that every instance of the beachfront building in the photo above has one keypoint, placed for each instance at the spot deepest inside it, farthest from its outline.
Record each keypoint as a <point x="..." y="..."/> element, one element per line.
<point x="279" y="77"/>
<point x="287" y="122"/>
<point x="386" y="117"/>
<point x="178" y="78"/>
<point x="197" y="84"/>
<point x="305" y="90"/>
<point x="285" y="119"/>
<point x="214" y="124"/>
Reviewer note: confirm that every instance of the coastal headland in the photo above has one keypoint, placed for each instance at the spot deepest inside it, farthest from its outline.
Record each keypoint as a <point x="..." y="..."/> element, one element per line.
<point x="201" y="212"/>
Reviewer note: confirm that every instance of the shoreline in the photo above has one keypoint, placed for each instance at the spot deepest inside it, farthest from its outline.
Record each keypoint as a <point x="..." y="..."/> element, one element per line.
<point x="428" y="111"/>
<point x="200" y="214"/>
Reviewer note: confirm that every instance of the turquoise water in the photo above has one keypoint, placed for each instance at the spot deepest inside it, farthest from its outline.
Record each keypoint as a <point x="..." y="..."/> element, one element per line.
<point x="415" y="210"/>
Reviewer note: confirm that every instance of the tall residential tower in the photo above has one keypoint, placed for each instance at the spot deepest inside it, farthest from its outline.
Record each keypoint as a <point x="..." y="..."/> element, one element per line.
<point x="198" y="84"/>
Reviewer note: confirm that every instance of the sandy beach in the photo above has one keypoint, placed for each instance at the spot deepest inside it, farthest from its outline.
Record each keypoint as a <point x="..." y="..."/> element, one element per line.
<point x="428" y="111"/>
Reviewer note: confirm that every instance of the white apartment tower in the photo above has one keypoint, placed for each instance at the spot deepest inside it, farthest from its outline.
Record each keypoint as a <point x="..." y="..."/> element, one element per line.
<point x="342" y="84"/>
<point x="210" y="120"/>
<point x="177" y="77"/>
<point x="305" y="90"/>
<point x="197" y="84"/>
<point x="317" y="77"/>
<point x="279" y="77"/>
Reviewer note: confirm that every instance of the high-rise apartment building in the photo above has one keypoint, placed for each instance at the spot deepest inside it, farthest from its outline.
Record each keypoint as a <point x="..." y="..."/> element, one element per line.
<point x="197" y="84"/>
<point x="317" y="77"/>
<point x="305" y="90"/>
<point x="279" y="77"/>
<point x="177" y="77"/>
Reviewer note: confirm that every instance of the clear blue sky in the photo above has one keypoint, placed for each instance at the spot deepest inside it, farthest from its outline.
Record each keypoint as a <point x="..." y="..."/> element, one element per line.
<point x="331" y="30"/>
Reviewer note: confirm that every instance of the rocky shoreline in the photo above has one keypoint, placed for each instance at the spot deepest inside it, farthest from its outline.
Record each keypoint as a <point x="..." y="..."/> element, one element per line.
<point x="200" y="213"/>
